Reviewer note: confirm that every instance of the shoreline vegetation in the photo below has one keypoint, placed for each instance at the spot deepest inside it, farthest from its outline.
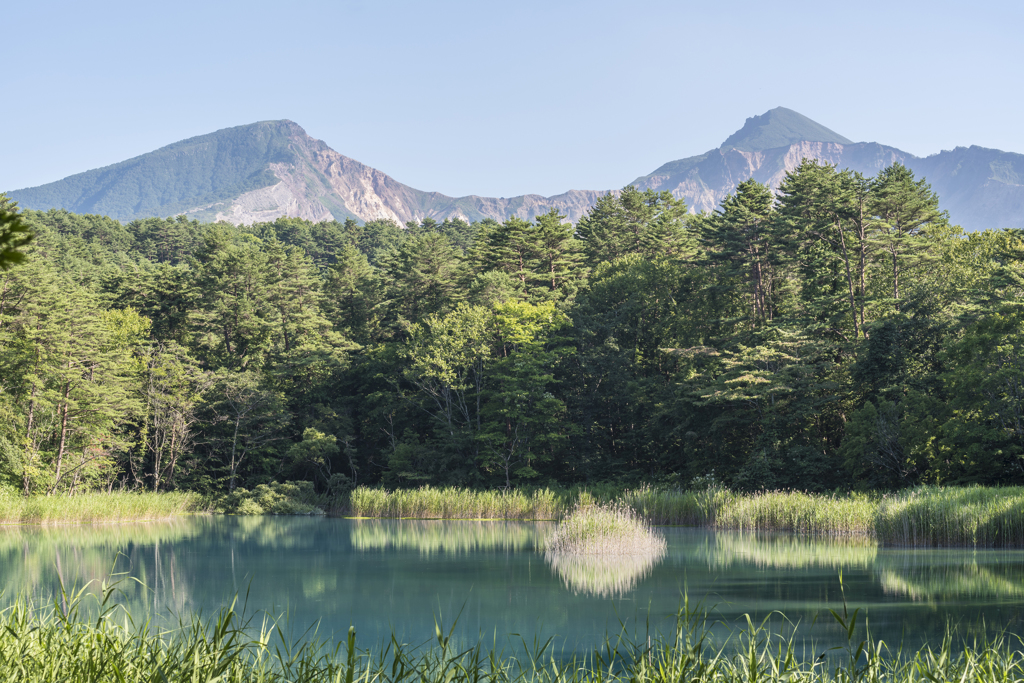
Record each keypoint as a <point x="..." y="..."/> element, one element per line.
<point x="919" y="517"/>
<point x="95" y="508"/>
<point x="68" y="641"/>
<point x="925" y="516"/>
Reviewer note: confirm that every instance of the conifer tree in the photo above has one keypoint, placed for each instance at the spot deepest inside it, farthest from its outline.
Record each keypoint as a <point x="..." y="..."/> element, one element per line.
<point x="557" y="255"/>
<point x="633" y="222"/>
<point x="903" y="212"/>
<point x="737" y="243"/>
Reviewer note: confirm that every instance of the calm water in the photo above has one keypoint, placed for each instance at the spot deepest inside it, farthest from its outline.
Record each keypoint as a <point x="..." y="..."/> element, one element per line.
<point x="385" y="576"/>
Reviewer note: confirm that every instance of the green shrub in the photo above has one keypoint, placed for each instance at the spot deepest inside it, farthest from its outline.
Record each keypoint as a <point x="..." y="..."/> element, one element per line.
<point x="276" y="498"/>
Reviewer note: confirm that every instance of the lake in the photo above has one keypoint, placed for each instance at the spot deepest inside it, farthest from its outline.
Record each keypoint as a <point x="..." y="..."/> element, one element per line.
<point x="385" y="576"/>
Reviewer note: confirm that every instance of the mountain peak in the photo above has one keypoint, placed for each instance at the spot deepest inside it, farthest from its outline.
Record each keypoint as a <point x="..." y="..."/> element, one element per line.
<point x="779" y="127"/>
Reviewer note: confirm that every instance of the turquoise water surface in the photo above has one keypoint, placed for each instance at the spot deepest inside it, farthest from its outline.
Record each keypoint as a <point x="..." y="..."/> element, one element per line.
<point x="491" y="580"/>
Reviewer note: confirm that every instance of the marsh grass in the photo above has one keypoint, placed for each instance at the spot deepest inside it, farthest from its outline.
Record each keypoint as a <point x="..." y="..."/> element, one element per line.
<point x="605" y="530"/>
<point x="102" y="642"/>
<point x="454" y="503"/>
<point x="924" y="516"/>
<point x="934" y="516"/>
<point x="95" y="507"/>
<point x="797" y="512"/>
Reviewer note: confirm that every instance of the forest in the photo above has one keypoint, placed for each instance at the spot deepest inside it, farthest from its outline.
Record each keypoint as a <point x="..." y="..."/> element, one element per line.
<point x="839" y="334"/>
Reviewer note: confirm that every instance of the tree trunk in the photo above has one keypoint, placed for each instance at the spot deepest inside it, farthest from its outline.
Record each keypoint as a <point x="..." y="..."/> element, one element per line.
<point x="63" y="435"/>
<point x="849" y="280"/>
<point x="234" y="450"/>
<point x="29" y="442"/>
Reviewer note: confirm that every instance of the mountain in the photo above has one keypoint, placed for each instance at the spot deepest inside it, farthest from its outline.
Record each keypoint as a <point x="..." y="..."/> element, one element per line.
<point x="981" y="188"/>
<point x="269" y="169"/>
<point x="779" y="127"/>
<point x="265" y="170"/>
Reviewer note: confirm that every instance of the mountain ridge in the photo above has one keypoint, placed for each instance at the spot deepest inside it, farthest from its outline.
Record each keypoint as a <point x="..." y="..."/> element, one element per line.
<point x="261" y="171"/>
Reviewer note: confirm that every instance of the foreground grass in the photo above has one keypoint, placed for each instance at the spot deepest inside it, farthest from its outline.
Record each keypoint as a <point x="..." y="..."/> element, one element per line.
<point x="94" y="507"/>
<point x="925" y="516"/>
<point x="63" y="644"/>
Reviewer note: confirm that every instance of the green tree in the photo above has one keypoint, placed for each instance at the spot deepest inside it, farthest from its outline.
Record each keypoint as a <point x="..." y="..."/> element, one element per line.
<point x="522" y="418"/>
<point x="15" y="234"/>
<point x="648" y="223"/>
<point x="737" y="243"/>
<point x="251" y="416"/>
<point x="904" y="211"/>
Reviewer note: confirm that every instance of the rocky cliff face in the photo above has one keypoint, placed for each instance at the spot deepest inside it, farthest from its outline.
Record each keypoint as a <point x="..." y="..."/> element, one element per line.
<point x="265" y="170"/>
<point x="704" y="181"/>
<point x="321" y="184"/>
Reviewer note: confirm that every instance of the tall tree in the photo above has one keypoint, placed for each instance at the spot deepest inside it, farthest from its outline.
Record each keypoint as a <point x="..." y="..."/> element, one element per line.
<point x="633" y="222"/>
<point x="903" y="211"/>
<point x="737" y="243"/>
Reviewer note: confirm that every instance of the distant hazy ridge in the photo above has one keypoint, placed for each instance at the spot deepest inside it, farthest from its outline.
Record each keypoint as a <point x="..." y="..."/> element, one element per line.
<point x="269" y="169"/>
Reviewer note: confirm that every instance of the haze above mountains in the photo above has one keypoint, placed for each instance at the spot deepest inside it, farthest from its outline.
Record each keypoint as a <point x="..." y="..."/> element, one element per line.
<point x="269" y="169"/>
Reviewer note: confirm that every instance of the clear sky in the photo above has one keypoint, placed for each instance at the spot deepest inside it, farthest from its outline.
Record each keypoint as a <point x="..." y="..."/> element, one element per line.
<point x="501" y="98"/>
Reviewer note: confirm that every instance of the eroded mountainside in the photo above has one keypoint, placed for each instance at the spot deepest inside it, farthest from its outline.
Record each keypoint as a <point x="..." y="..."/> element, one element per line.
<point x="265" y="170"/>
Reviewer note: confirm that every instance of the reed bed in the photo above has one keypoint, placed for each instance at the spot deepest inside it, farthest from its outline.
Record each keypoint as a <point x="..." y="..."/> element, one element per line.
<point x="934" y="516"/>
<point x="95" y="507"/>
<point x="61" y="643"/>
<point x="924" y="516"/>
<point x="799" y="512"/>
<point x="454" y="503"/>
<point x="686" y="508"/>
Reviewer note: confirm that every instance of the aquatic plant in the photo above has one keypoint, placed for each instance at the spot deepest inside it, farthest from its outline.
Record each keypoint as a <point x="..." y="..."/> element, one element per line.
<point x="925" y="516"/>
<point x="946" y="516"/>
<point x="454" y="503"/>
<point x="94" y="507"/>
<point x="796" y="511"/>
<point x="604" y="530"/>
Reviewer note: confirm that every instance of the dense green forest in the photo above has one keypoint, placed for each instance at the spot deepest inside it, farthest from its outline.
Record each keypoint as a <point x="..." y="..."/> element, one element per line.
<point x="840" y="334"/>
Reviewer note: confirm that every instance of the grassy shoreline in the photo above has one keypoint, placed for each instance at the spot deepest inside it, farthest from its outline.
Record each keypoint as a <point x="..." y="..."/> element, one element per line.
<point x="921" y="517"/>
<point x="67" y="642"/>
<point x="94" y="508"/>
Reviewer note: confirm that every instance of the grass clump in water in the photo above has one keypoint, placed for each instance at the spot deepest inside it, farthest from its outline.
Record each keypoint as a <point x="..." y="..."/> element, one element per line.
<point x="603" y="549"/>
<point x="605" y="530"/>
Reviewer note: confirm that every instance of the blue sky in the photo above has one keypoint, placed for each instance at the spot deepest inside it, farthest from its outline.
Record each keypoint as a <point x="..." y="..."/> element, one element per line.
<point x="505" y="98"/>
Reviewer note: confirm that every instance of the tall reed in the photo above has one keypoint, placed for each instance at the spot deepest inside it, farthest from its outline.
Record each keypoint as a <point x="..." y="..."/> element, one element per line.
<point x="934" y="516"/>
<point x="925" y="516"/>
<point x="94" y="507"/>
<point x="454" y="503"/>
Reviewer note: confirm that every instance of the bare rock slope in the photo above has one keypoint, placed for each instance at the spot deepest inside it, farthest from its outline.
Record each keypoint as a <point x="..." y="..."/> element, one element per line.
<point x="269" y="169"/>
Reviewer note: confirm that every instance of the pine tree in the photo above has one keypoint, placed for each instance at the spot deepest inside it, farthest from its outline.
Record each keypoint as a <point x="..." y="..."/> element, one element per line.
<point x="556" y="255"/>
<point x="633" y="222"/>
<point x="737" y="242"/>
<point x="903" y="212"/>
